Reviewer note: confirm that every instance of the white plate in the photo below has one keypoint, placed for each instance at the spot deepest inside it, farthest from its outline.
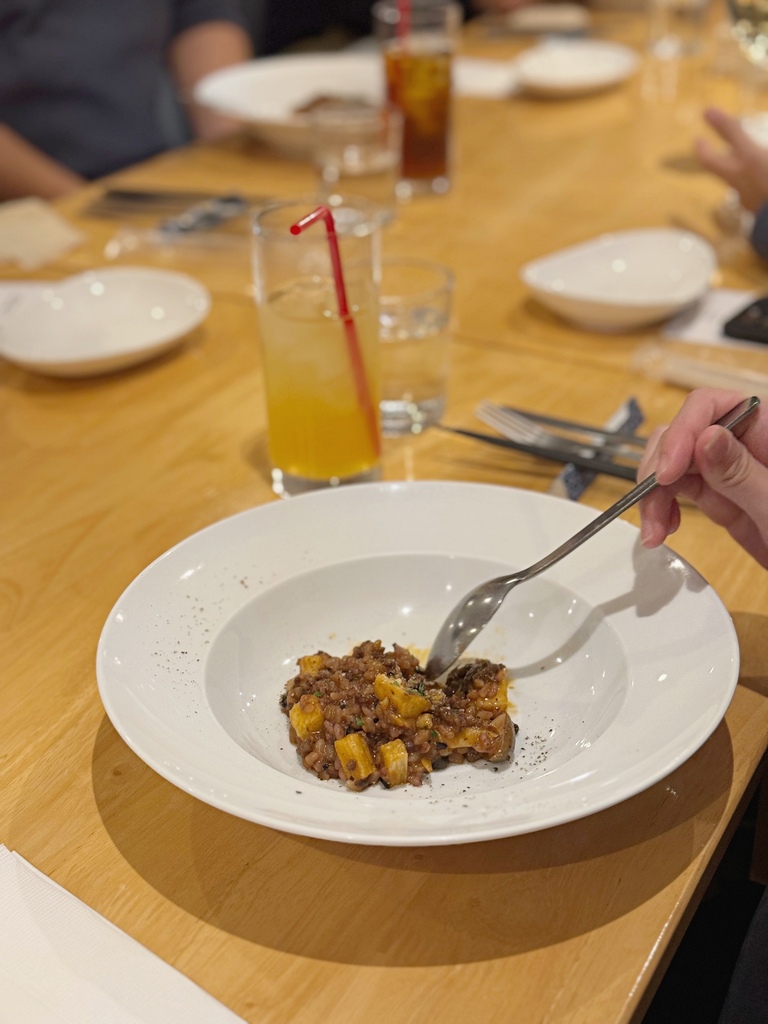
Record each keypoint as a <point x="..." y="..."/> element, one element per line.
<point x="625" y="280"/>
<point x="624" y="659"/>
<point x="266" y="93"/>
<point x="574" y="67"/>
<point x="538" y="19"/>
<point x="101" y="320"/>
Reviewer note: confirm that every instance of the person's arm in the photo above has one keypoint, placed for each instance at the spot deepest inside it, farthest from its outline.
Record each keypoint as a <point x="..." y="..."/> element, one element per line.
<point x="194" y="53"/>
<point x="727" y="478"/>
<point x="26" y="171"/>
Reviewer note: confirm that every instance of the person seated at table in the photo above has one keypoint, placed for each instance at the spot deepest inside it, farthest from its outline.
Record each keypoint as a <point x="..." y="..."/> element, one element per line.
<point x="91" y="86"/>
<point x="743" y="166"/>
<point x="728" y="480"/>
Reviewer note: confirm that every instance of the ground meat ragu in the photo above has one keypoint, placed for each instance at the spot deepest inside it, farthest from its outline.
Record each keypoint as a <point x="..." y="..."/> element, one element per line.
<point x="372" y="716"/>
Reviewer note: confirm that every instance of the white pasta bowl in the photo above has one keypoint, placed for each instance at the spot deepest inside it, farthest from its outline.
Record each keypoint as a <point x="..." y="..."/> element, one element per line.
<point x="623" y="660"/>
<point x="626" y="280"/>
<point x="269" y="94"/>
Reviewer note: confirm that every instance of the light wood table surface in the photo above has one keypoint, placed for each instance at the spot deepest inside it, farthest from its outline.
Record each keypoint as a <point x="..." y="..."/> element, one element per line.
<point x="571" y="925"/>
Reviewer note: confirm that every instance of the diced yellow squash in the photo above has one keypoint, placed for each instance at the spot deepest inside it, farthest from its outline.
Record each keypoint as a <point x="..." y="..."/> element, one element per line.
<point x="355" y="756"/>
<point x="494" y="741"/>
<point x="310" y="664"/>
<point x="306" y="716"/>
<point x="472" y="736"/>
<point x="498" y="701"/>
<point x="394" y="762"/>
<point x="407" y="703"/>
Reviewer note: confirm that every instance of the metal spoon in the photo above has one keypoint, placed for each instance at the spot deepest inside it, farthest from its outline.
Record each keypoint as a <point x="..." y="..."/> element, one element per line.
<point x="475" y="611"/>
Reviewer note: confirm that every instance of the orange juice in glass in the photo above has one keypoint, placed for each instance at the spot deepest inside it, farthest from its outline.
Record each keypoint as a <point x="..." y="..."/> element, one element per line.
<point x="418" y="41"/>
<point x="320" y="428"/>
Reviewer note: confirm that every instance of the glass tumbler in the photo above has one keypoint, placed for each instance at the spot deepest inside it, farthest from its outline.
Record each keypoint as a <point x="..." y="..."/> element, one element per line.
<point x="418" y="54"/>
<point x="414" y="335"/>
<point x="357" y="150"/>
<point x="321" y="380"/>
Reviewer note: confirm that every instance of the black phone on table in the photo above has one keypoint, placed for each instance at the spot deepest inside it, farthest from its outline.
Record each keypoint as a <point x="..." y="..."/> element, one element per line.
<point x="750" y="323"/>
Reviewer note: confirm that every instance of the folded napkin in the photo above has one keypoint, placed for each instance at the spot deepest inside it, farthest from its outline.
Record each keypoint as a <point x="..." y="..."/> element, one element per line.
<point x="487" y="79"/>
<point x="62" y="963"/>
<point x="32" y="233"/>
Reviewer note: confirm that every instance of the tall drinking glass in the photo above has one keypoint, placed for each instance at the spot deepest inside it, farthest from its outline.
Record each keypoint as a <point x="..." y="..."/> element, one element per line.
<point x="357" y="149"/>
<point x="414" y="331"/>
<point x="322" y="431"/>
<point x="418" y="40"/>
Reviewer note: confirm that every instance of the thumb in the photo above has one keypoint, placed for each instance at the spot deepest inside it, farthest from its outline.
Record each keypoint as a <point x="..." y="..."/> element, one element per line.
<point x="730" y="470"/>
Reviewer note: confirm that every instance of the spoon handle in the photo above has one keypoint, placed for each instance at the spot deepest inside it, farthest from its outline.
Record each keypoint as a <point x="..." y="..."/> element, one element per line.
<point x="732" y="420"/>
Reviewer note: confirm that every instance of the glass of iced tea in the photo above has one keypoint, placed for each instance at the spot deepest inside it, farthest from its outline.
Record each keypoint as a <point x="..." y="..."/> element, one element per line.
<point x="418" y="39"/>
<point x="321" y="433"/>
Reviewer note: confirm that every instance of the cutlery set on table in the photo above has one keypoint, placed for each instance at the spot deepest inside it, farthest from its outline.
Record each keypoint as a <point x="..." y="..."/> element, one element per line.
<point x="564" y="441"/>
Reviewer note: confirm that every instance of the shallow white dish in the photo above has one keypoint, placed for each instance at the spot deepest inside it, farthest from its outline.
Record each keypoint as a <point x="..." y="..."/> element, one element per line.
<point x="101" y="320"/>
<point x="265" y="94"/>
<point x="538" y="19"/>
<point x="624" y="659"/>
<point x="624" y="280"/>
<point x="573" y="67"/>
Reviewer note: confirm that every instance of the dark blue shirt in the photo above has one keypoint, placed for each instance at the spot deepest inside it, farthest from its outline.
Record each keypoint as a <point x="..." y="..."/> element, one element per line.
<point x="86" y="80"/>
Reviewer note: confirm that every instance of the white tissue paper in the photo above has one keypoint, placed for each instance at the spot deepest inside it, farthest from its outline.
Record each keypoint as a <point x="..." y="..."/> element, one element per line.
<point x="485" y="79"/>
<point x="32" y="233"/>
<point x="62" y="963"/>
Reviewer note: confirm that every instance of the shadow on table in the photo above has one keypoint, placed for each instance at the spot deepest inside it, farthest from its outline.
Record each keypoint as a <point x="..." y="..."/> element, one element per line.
<point x="407" y="907"/>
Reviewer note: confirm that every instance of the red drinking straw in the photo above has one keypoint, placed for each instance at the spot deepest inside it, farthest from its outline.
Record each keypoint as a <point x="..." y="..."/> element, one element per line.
<point x="353" y="343"/>
<point x="403" y="19"/>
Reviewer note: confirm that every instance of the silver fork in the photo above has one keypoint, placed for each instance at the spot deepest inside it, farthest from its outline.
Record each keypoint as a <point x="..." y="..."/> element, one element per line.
<point x="517" y="427"/>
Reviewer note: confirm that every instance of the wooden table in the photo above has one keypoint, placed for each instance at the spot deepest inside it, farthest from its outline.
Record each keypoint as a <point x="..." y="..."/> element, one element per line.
<point x="574" y="924"/>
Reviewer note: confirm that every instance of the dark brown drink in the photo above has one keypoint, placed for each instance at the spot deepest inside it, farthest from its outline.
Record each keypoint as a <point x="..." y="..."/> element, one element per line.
<point x="419" y="85"/>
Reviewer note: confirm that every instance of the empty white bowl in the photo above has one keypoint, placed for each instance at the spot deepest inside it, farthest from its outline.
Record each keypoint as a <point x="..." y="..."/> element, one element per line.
<point x="565" y="67"/>
<point x="624" y="280"/>
<point x="102" y="320"/>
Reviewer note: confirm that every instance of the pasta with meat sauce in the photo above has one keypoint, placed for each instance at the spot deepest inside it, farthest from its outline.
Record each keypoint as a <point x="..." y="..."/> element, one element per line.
<point x="372" y="716"/>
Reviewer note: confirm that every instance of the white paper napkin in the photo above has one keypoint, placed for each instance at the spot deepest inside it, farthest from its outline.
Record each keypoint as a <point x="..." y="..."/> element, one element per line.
<point x="487" y="79"/>
<point x="32" y="233"/>
<point x="703" y="323"/>
<point x="540" y="19"/>
<point x="62" y="963"/>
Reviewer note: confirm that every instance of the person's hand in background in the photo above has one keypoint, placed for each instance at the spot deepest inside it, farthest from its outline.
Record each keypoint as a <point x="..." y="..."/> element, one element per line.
<point x="743" y="165"/>
<point x="726" y="477"/>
